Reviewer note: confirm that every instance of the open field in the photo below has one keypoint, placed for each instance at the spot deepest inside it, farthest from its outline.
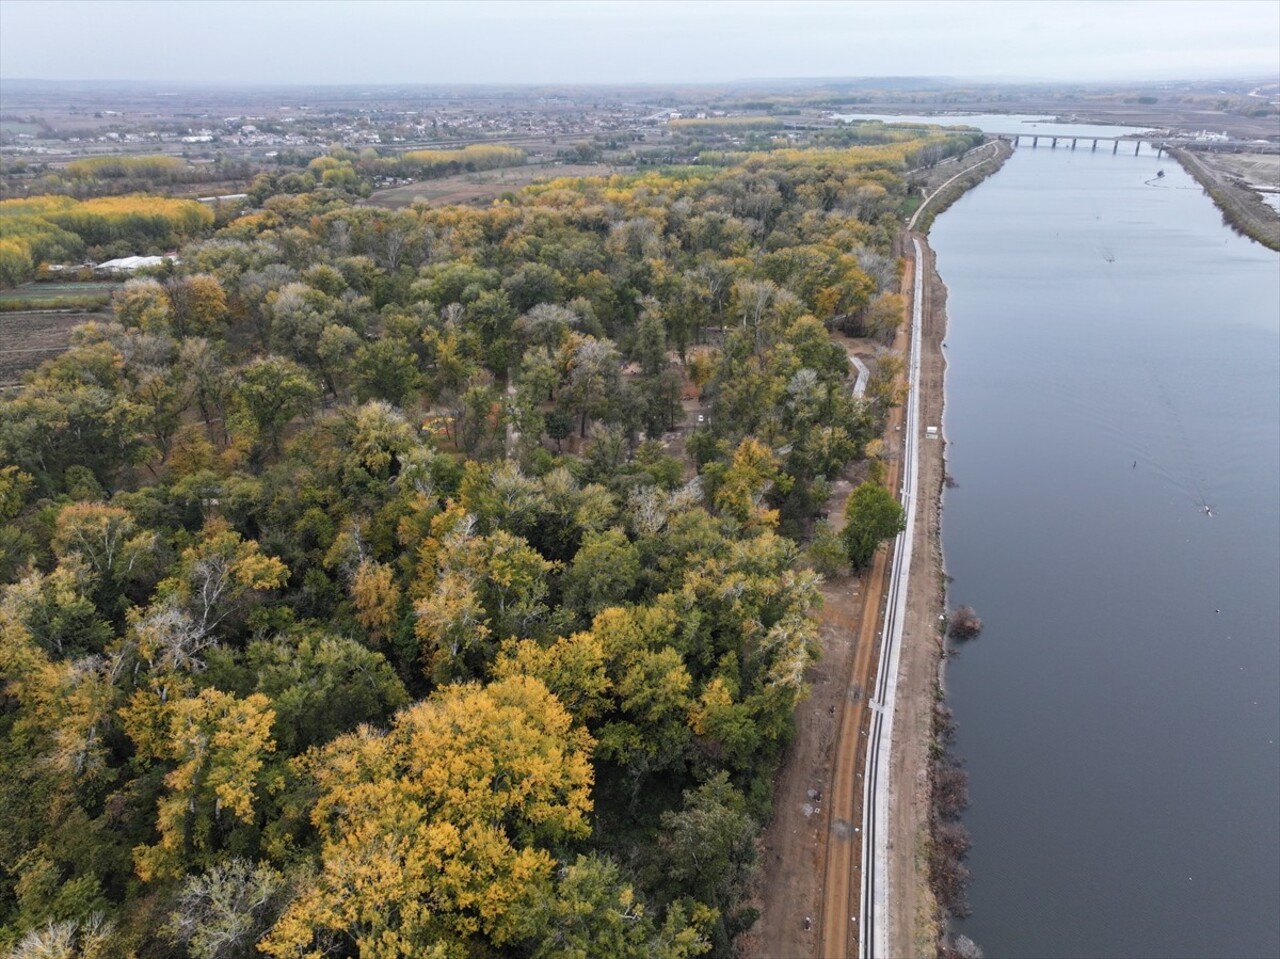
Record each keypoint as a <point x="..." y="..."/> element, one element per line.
<point x="28" y="339"/>
<point x="1260" y="170"/>
<point x="53" y="291"/>
<point x="57" y="296"/>
<point x="482" y="187"/>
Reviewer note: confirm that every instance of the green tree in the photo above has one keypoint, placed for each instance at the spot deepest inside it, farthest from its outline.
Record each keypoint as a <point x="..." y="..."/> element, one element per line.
<point x="595" y="913"/>
<point x="871" y="516"/>
<point x="387" y="369"/>
<point x="270" y="392"/>
<point x="320" y="685"/>
<point x="709" y="851"/>
<point x="603" y="573"/>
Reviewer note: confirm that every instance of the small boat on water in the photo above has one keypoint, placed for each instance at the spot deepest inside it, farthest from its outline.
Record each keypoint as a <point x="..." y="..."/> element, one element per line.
<point x="1159" y="174"/>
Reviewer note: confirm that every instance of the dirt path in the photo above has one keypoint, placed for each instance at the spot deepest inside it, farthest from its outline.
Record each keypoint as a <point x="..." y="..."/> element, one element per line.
<point x="793" y="850"/>
<point x="811" y="852"/>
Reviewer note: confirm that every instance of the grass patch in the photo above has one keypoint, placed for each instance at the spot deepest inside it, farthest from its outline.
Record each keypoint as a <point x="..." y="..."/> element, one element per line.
<point x="86" y="303"/>
<point x="57" y="296"/>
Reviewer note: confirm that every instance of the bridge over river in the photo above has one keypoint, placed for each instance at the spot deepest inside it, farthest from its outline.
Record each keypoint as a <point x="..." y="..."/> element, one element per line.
<point x="1136" y="138"/>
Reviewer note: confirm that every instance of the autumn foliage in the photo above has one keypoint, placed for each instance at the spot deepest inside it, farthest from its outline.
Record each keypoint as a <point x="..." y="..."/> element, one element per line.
<point x="53" y="229"/>
<point x="430" y="582"/>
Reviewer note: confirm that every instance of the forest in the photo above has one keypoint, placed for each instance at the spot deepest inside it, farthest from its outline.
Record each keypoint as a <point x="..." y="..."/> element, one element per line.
<point x="437" y="582"/>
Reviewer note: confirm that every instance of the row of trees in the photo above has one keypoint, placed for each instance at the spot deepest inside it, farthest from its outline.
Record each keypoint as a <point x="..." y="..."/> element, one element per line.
<point x="158" y="168"/>
<point x="117" y="174"/>
<point x="357" y="600"/>
<point x="57" y="229"/>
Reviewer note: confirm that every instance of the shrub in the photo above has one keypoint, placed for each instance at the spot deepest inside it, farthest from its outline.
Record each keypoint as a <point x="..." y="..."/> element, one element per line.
<point x="964" y="623"/>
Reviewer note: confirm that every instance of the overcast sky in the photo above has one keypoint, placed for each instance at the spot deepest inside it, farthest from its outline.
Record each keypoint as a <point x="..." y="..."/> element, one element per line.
<point x="621" y="41"/>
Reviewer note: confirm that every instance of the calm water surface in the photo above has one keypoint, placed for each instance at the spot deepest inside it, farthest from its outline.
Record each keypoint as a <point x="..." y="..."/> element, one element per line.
<point x="1114" y="369"/>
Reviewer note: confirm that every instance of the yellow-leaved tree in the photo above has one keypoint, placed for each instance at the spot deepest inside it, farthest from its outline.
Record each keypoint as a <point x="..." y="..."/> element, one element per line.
<point x="435" y="833"/>
<point x="377" y="599"/>
<point x="218" y="743"/>
<point x="742" y="488"/>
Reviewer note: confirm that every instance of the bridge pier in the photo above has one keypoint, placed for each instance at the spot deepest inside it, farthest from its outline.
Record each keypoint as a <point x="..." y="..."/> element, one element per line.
<point x="1055" y="144"/>
<point x="1035" y="142"/>
<point x="1095" y="145"/>
<point x="1073" y="143"/>
<point x="1115" y="145"/>
<point x="1136" y="147"/>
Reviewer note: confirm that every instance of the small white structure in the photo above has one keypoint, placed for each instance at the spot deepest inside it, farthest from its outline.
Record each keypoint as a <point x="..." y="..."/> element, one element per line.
<point x="130" y="264"/>
<point x="931" y="432"/>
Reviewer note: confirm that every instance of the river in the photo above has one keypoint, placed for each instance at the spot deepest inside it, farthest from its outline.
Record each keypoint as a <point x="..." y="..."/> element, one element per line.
<point x="1113" y="420"/>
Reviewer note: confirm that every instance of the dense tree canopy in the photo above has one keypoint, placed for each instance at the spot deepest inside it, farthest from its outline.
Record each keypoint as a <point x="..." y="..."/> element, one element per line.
<point x="358" y="596"/>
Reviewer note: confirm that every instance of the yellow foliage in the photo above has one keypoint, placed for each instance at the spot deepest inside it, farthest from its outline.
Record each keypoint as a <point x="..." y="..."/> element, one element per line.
<point x="753" y="469"/>
<point x="119" y="166"/>
<point x="573" y="669"/>
<point x="716" y="698"/>
<point x="724" y="124"/>
<point x="478" y="156"/>
<point x="433" y="832"/>
<point x="377" y="599"/>
<point x="49" y="226"/>
<point x="218" y="743"/>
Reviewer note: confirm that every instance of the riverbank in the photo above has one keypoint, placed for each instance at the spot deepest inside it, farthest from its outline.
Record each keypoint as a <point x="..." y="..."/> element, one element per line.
<point x="945" y="186"/>
<point x="917" y="922"/>
<point x="915" y="919"/>
<point x="1241" y="206"/>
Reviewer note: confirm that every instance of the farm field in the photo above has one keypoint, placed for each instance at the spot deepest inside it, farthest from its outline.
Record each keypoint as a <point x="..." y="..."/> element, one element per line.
<point x="57" y="296"/>
<point x="54" y="291"/>
<point x="28" y="339"/>
<point x="481" y="187"/>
